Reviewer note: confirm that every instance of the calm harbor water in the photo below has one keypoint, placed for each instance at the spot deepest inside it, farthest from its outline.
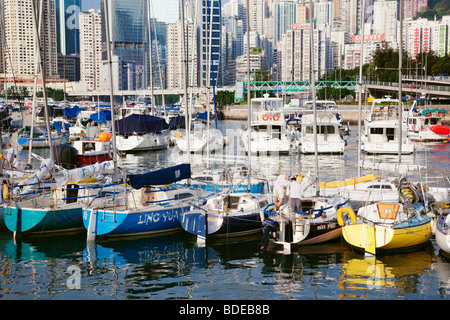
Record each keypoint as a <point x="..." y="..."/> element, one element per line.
<point x="172" y="267"/>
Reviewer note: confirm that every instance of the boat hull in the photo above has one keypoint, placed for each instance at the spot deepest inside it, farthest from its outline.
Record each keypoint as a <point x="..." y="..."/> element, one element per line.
<point x="87" y="159"/>
<point x="46" y="220"/>
<point x="231" y="225"/>
<point x="126" y="223"/>
<point x="443" y="241"/>
<point x="143" y="142"/>
<point x="387" y="238"/>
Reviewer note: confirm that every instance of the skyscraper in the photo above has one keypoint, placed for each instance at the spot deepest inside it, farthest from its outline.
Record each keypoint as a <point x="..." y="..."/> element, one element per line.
<point x="68" y="27"/>
<point x="20" y="40"/>
<point x="90" y="48"/>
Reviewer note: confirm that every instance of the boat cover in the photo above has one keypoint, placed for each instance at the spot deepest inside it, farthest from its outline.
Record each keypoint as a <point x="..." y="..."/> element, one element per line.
<point x="71" y="112"/>
<point x="101" y="116"/>
<point x="159" y="177"/>
<point x="140" y="123"/>
<point x="425" y="112"/>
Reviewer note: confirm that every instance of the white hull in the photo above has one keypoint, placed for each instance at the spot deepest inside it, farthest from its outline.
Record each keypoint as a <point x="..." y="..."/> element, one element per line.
<point x="199" y="141"/>
<point x="328" y="144"/>
<point x="149" y="141"/>
<point x="443" y="241"/>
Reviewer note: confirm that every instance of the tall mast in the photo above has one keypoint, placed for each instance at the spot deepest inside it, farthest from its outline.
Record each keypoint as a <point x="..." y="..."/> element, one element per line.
<point x="113" y="120"/>
<point x="249" y="105"/>
<point x="43" y="77"/>
<point x="313" y="92"/>
<point x="400" y="105"/>
<point x="361" y="61"/>
<point x="184" y="72"/>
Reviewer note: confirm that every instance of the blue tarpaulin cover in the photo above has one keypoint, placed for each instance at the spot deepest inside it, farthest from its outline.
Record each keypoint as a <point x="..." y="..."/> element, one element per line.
<point x="71" y="112"/>
<point x="159" y="177"/>
<point x="140" y="123"/>
<point x="101" y="116"/>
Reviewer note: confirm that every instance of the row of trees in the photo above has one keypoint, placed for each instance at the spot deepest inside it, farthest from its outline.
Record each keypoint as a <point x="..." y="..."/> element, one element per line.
<point x="20" y="93"/>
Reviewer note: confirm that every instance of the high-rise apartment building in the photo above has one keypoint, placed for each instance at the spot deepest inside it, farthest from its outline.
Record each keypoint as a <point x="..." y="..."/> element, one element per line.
<point x="90" y="48"/>
<point x="20" y="41"/>
<point x="385" y="21"/>
<point x="284" y="16"/>
<point x="412" y="7"/>
<point x="67" y="26"/>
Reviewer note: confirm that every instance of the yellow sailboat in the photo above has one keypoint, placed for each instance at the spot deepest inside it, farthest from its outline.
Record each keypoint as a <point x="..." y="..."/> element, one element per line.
<point x="387" y="226"/>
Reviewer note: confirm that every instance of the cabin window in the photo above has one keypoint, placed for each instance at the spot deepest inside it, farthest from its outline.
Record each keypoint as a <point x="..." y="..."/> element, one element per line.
<point x="390" y="133"/>
<point x="276" y="132"/>
<point x="376" y="131"/>
<point x="180" y="196"/>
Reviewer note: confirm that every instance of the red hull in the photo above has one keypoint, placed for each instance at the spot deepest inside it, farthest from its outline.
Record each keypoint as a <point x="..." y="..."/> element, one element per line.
<point x="86" y="159"/>
<point x="440" y="129"/>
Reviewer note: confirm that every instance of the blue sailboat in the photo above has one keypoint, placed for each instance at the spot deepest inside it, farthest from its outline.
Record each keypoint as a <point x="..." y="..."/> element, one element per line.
<point x="152" y="205"/>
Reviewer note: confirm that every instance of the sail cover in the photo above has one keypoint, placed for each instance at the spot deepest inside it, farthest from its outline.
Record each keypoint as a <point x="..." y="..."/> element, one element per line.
<point x="71" y="112"/>
<point x="159" y="177"/>
<point x="140" y="123"/>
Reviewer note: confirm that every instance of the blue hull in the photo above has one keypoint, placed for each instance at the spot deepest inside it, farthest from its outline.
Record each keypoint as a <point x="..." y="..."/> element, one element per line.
<point x="108" y="223"/>
<point x="30" y="220"/>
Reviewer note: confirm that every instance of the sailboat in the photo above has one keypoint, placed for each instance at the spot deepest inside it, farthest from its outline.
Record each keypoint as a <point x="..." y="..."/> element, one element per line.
<point x="152" y="204"/>
<point x="229" y="213"/>
<point x="442" y="234"/>
<point x="286" y="228"/>
<point x="383" y="227"/>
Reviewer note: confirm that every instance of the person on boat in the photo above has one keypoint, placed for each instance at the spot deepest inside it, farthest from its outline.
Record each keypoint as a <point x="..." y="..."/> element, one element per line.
<point x="279" y="189"/>
<point x="15" y="162"/>
<point x="295" y="193"/>
<point x="9" y="156"/>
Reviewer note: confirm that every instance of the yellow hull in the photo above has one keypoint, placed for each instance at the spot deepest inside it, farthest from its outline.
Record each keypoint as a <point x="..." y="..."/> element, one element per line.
<point x="371" y="238"/>
<point x="348" y="182"/>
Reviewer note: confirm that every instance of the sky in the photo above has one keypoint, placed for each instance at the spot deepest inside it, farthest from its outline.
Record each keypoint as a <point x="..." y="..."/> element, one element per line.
<point x="164" y="10"/>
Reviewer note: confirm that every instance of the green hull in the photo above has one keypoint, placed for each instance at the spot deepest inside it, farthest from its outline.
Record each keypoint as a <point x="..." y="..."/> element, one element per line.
<point x="30" y="220"/>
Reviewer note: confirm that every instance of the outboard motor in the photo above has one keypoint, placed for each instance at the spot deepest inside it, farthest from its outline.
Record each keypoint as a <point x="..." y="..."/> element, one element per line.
<point x="269" y="226"/>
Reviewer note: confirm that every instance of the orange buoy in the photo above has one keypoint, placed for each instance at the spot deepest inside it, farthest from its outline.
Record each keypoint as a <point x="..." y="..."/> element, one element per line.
<point x="104" y="136"/>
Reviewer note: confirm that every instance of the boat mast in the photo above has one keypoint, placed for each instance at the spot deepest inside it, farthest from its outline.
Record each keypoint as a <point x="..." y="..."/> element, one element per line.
<point x="43" y="77"/>
<point x="113" y="120"/>
<point x="151" y="58"/>
<point x="33" y="108"/>
<point x="313" y="91"/>
<point x="361" y="60"/>
<point x="400" y="105"/>
<point x="184" y="72"/>
<point x="249" y="105"/>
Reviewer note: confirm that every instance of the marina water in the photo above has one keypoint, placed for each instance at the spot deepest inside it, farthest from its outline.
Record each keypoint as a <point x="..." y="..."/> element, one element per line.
<point x="173" y="267"/>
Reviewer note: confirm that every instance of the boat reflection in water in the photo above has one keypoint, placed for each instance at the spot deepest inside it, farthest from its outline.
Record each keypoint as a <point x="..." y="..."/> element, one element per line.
<point x="399" y="271"/>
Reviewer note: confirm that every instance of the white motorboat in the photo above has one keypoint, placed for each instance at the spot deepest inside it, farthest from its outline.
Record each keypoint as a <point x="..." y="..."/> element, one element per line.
<point x="381" y="126"/>
<point x="201" y="139"/>
<point x="268" y="128"/>
<point x="426" y="125"/>
<point x="329" y="138"/>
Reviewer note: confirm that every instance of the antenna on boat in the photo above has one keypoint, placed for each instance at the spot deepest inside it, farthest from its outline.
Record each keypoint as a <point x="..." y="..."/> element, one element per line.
<point x="361" y="62"/>
<point x="113" y="120"/>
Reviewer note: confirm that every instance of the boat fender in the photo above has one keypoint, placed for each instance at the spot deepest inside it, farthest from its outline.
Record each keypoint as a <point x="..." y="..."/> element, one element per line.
<point x="5" y="192"/>
<point x="340" y="215"/>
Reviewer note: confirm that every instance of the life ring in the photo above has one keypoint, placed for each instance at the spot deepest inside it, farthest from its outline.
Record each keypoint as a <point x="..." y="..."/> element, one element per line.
<point x="5" y="192"/>
<point x="265" y="117"/>
<point x="276" y="117"/>
<point x="340" y="215"/>
<point x="179" y="135"/>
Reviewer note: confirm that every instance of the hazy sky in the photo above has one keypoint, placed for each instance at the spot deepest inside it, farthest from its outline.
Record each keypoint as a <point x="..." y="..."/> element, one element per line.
<point x="164" y="10"/>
